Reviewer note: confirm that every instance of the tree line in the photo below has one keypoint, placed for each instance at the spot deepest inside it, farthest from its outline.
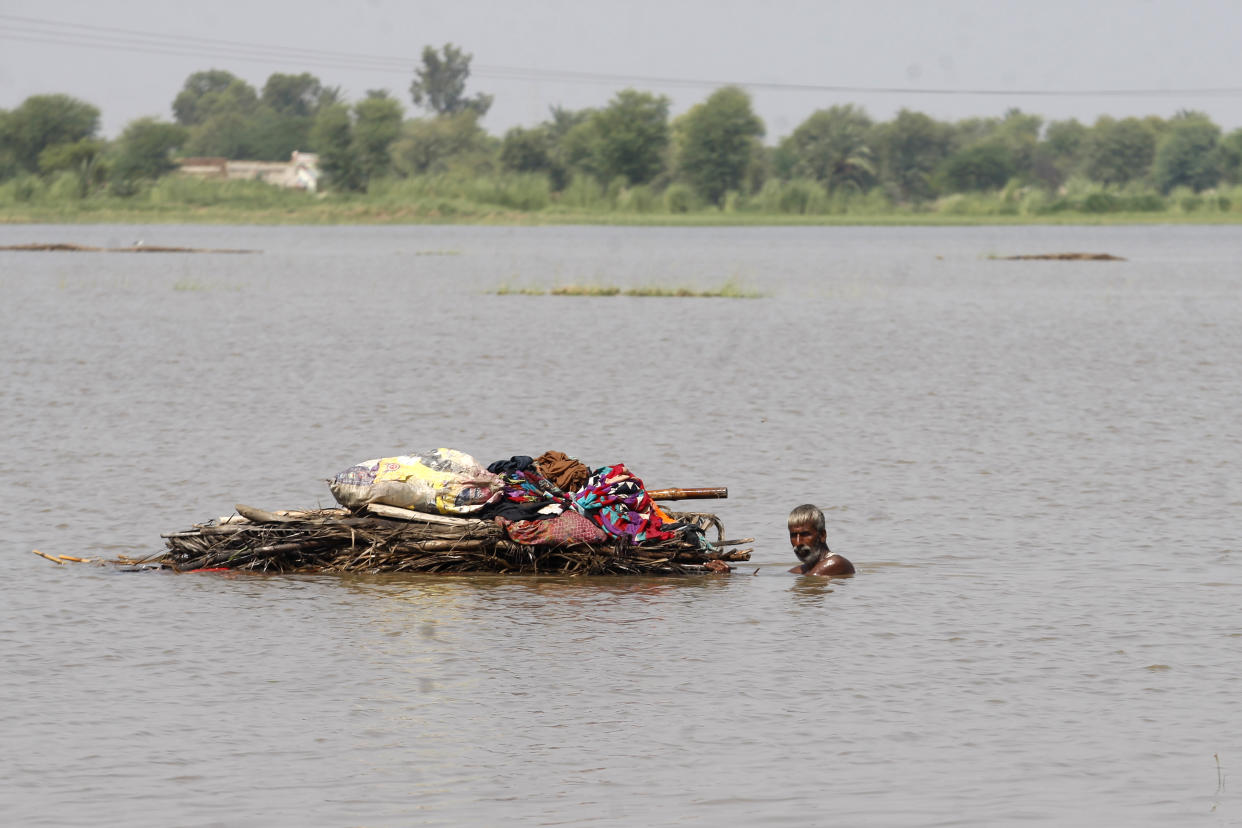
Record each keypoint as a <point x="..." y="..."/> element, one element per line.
<point x="710" y="154"/>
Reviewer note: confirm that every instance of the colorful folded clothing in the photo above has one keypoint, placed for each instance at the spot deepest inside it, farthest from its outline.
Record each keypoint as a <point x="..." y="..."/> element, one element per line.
<point x="617" y="501"/>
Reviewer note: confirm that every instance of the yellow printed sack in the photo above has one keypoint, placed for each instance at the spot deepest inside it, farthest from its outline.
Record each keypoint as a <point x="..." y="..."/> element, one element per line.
<point x="445" y="481"/>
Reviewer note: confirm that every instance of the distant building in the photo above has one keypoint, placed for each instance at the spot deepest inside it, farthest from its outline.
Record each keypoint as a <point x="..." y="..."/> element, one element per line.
<point x="305" y="170"/>
<point x="205" y="167"/>
<point x="301" y="172"/>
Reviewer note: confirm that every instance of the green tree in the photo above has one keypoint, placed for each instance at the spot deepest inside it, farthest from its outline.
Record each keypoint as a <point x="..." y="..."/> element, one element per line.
<point x="293" y="96"/>
<point x="970" y="131"/>
<point x="986" y="166"/>
<point x="1187" y="154"/>
<point x="225" y="118"/>
<point x="1059" y="154"/>
<point x="438" y="145"/>
<point x="567" y="154"/>
<point x="333" y="135"/>
<point x="911" y="147"/>
<point x="145" y="149"/>
<point x="285" y="114"/>
<point x="1065" y="138"/>
<point x="563" y="120"/>
<point x="81" y="158"/>
<point x="833" y="147"/>
<point x="226" y="135"/>
<point x="377" y="123"/>
<point x="439" y="85"/>
<point x="1018" y="133"/>
<point x="269" y="136"/>
<point x="43" y="121"/>
<point x="548" y="148"/>
<point x="629" y="137"/>
<point x="60" y="157"/>
<point x="1230" y="153"/>
<point x="1118" y="152"/>
<point x="8" y="160"/>
<point x="527" y="150"/>
<point x="579" y="149"/>
<point x="782" y="160"/>
<point x="718" y="141"/>
<point x="213" y="92"/>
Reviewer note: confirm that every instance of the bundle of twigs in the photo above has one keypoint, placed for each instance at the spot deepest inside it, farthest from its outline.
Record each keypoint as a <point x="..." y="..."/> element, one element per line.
<point x="398" y="540"/>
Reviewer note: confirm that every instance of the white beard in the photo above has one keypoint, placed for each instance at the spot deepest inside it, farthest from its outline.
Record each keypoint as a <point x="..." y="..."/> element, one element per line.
<point x="810" y="555"/>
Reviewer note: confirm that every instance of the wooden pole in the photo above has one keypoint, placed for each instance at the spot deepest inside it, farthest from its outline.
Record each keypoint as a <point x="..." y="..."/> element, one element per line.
<point x="49" y="557"/>
<point x="689" y="494"/>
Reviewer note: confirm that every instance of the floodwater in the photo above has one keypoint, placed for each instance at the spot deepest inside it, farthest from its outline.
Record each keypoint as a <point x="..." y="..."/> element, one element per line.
<point x="1034" y="465"/>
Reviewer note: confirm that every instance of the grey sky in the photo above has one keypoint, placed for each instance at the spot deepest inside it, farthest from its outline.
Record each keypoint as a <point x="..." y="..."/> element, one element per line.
<point x="1032" y="45"/>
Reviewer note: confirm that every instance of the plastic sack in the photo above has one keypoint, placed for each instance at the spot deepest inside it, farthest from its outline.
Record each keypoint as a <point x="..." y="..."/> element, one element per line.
<point x="444" y="481"/>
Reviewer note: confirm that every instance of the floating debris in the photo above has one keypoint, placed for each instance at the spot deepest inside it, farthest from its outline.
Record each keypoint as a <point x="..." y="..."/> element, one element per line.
<point x="139" y="247"/>
<point x="1063" y="257"/>
<point x="61" y="559"/>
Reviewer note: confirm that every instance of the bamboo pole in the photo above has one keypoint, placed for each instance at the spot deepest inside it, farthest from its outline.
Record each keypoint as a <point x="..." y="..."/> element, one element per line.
<point x="689" y="494"/>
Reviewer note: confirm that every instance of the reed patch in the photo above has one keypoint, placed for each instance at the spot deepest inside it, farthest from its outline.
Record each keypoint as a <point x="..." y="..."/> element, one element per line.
<point x="730" y="289"/>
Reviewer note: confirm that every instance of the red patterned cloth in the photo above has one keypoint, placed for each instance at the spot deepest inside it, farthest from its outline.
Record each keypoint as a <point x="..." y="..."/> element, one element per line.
<point x="566" y="527"/>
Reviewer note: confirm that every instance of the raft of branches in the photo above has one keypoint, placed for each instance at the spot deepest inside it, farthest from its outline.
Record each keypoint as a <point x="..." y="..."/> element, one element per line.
<point x="388" y="539"/>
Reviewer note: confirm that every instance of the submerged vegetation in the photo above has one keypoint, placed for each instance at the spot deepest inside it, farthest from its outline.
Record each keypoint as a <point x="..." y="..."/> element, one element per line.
<point x="731" y="289"/>
<point x="628" y="161"/>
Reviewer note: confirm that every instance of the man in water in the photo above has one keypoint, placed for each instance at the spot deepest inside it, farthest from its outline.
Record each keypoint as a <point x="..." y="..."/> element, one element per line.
<point x="810" y="543"/>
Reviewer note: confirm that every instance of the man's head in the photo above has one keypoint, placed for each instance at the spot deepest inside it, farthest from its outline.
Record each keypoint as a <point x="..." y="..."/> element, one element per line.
<point x="807" y="534"/>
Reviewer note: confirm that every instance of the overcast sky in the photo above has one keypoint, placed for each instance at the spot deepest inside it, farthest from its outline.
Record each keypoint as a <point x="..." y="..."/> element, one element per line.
<point x="948" y="58"/>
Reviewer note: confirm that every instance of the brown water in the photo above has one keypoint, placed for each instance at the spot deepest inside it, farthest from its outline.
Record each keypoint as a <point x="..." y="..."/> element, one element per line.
<point x="1033" y="464"/>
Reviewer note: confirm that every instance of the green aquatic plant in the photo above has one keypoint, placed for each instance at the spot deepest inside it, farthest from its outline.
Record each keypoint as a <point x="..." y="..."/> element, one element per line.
<point x="195" y="286"/>
<point x="733" y="289"/>
<point x="518" y="290"/>
<point x="730" y="289"/>
<point x="657" y="290"/>
<point x="585" y="290"/>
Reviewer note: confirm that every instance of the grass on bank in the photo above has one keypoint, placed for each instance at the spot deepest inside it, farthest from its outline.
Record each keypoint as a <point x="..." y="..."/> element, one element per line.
<point x="528" y="199"/>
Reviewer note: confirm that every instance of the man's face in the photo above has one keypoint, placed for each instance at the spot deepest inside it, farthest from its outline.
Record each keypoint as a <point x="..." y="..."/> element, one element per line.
<point x="807" y="543"/>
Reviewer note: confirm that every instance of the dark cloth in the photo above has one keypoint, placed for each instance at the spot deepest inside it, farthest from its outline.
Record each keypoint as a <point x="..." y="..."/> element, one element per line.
<point x="510" y="510"/>
<point x="567" y="473"/>
<point x="516" y="463"/>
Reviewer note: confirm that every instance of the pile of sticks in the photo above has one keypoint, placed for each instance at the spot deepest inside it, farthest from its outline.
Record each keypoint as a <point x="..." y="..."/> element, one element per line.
<point x="389" y="539"/>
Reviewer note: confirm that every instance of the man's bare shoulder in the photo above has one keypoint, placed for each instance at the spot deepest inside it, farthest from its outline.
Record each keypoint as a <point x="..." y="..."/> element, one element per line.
<point x="832" y="565"/>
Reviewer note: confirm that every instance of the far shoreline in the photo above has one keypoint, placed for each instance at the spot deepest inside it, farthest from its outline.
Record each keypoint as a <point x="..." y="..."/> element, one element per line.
<point x="361" y="215"/>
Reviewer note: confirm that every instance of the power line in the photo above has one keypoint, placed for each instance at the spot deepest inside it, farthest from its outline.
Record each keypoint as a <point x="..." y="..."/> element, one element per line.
<point x="81" y="35"/>
<point x="67" y="28"/>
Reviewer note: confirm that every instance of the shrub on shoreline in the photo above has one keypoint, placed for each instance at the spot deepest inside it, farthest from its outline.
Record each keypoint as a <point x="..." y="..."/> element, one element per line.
<point x="528" y="197"/>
